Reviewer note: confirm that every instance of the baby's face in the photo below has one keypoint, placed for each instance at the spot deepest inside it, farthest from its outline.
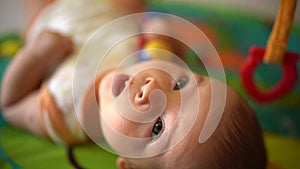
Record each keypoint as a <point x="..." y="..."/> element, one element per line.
<point x="130" y="89"/>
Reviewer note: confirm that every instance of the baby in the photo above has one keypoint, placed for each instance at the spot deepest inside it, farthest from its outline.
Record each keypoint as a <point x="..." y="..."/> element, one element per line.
<point x="236" y="143"/>
<point x="180" y="130"/>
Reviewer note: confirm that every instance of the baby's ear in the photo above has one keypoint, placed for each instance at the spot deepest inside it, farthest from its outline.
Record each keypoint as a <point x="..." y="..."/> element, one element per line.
<point x="122" y="163"/>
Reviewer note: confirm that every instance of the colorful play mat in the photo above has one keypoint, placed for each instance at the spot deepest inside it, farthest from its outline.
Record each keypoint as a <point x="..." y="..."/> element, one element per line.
<point x="232" y="32"/>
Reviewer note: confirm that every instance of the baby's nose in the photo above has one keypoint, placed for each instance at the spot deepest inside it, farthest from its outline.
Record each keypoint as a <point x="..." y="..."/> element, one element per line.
<point x="142" y="96"/>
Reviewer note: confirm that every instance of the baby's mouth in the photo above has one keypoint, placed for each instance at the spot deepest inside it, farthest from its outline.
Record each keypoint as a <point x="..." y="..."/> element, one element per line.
<point x="118" y="84"/>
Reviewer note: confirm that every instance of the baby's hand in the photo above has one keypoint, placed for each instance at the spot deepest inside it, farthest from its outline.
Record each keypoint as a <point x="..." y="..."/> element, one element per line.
<point x="50" y="47"/>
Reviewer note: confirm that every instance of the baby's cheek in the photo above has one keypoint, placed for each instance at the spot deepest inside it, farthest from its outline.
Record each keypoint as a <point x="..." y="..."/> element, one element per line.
<point x="115" y="121"/>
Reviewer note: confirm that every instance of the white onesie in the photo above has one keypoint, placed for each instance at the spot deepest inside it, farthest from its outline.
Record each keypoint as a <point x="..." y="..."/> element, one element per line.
<point x="77" y="19"/>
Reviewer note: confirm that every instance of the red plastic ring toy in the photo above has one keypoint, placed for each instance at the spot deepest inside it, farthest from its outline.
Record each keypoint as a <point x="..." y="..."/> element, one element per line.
<point x="287" y="82"/>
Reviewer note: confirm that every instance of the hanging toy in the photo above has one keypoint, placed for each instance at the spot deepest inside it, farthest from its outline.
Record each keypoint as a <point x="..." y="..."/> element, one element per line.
<point x="275" y="52"/>
<point x="155" y="43"/>
<point x="156" y="49"/>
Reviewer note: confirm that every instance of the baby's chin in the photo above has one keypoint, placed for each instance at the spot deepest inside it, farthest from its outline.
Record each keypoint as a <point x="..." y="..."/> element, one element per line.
<point x="134" y="68"/>
<point x="102" y="77"/>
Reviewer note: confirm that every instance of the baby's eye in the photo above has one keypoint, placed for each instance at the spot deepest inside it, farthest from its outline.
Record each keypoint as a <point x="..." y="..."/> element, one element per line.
<point x="157" y="128"/>
<point x="181" y="83"/>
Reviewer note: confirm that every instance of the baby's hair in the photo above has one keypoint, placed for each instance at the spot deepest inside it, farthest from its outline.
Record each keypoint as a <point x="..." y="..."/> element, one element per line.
<point x="240" y="142"/>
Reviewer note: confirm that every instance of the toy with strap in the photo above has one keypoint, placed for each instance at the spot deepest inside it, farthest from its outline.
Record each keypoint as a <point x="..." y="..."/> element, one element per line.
<point x="153" y="45"/>
<point x="275" y="53"/>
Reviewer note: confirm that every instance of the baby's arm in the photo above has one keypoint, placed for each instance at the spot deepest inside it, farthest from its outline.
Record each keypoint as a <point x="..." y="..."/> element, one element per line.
<point x="27" y="71"/>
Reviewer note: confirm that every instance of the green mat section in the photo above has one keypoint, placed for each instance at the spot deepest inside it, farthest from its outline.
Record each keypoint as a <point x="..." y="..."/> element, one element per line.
<point x="31" y="152"/>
